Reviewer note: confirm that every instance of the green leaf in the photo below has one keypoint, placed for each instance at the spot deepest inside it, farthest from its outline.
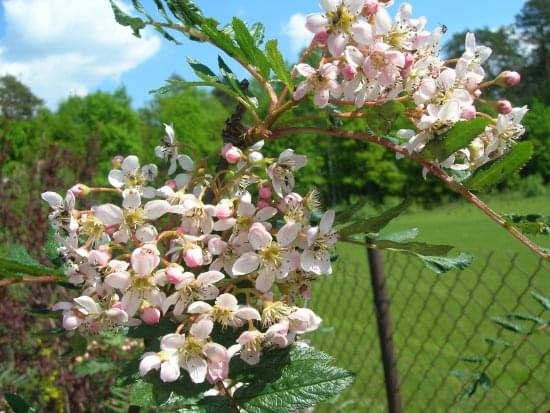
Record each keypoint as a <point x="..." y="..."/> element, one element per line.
<point x="527" y="317"/>
<point x="492" y="341"/>
<point x="94" y="366"/>
<point x="306" y="381"/>
<point x="162" y="10"/>
<point x="258" y="32"/>
<point x="458" y="137"/>
<point x="381" y="119"/>
<point x="78" y="345"/>
<point x="496" y="171"/>
<point x="221" y="39"/>
<point x="544" y="301"/>
<point x="215" y="404"/>
<point x="141" y="394"/>
<point x="186" y="11"/>
<point x="230" y="79"/>
<point x="469" y="391"/>
<point x="248" y="46"/>
<point x="416" y="247"/>
<point x="534" y="224"/>
<point x="474" y="359"/>
<point x="17" y="404"/>
<point x="51" y="248"/>
<point x="24" y="265"/>
<point x="508" y="325"/>
<point x="135" y="23"/>
<point x="42" y="312"/>
<point x="374" y="224"/>
<point x="202" y="71"/>
<point x="278" y="64"/>
<point x="441" y="265"/>
<point x="401" y="236"/>
<point x="485" y="381"/>
<point x="342" y="217"/>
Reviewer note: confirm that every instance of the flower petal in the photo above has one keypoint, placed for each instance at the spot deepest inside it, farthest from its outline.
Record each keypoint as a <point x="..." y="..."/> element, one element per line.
<point x="116" y="178"/>
<point x="52" y="198"/>
<point x="155" y="209"/>
<point x="245" y="264"/>
<point x="109" y="214"/>
<point x="202" y="328"/>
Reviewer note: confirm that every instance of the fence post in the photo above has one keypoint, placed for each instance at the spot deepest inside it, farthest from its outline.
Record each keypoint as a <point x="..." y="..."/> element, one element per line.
<point x="383" y="320"/>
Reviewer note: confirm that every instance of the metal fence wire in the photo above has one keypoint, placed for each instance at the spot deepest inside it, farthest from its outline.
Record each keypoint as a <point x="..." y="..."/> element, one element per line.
<point x="437" y="322"/>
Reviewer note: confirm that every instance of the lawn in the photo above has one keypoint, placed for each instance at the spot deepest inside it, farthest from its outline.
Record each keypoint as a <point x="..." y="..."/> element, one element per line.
<point x="438" y="319"/>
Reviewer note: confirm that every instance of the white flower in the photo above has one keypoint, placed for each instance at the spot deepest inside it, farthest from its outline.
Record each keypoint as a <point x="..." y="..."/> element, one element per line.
<point x="342" y="21"/>
<point x="282" y="171"/>
<point x="196" y="216"/>
<point x="62" y="215"/>
<point x="131" y="176"/>
<point x="322" y="81"/>
<point x="225" y="311"/>
<point x="191" y="288"/>
<point x="469" y="66"/>
<point x="89" y="314"/>
<point x="316" y="257"/>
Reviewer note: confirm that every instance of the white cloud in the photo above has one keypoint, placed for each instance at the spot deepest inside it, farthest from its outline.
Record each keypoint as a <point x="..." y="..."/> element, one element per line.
<point x="60" y="47"/>
<point x="295" y="30"/>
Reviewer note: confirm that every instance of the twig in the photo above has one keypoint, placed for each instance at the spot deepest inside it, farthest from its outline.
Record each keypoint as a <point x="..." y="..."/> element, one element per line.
<point x="40" y="279"/>
<point x="439" y="173"/>
<point x="224" y="392"/>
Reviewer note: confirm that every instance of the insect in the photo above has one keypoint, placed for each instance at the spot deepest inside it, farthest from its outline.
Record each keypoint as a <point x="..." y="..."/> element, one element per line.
<point x="444" y="28"/>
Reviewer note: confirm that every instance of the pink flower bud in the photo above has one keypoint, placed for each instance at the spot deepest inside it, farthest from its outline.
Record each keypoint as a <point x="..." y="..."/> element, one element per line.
<point x="349" y="72"/>
<point x="265" y="192"/>
<point x="371" y="7"/>
<point x="321" y="36"/>
<point x="262" y="203"/>
<point x="508" y="78"/>
<point x="171" y="183"/>
<point x="116" y="161"/>
<point x="118" y="305"/>
<point x="80" y="190"/>
<point x="409" y="60"/>
<point x="99" y="258"/>
<point x="216" y="245"/>
<point x="193" y="257"/>
<point x="231" y="153"/>
<point x="150" y="315"/>
<point x="174" y="274"/>
<point x="504" y="107"/>
<point x="469" y="112"/>
<point x="223" y="210"/>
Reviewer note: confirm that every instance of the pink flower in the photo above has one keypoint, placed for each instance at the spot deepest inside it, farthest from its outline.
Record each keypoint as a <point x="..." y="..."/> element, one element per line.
<point x="224" y="209"/>
<point x="384" y="64"/>
<point x="322" y="81"/>
<point x="145" y="259"/>
<point x="265" y="192"/>
<point x="174" y="274"/>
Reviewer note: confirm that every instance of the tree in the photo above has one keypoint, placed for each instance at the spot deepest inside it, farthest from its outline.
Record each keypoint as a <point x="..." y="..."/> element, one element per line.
<point x="16" y="100"/>
<point x="534" y="23"/>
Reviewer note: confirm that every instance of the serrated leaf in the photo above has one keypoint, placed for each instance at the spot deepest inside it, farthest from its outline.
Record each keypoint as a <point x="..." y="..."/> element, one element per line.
<point x="248" y="47"/>
<point x="22" y="266"/>
<point x="534" y="224"/>
<point x="441" y="265"/>
<point x="186" y="11"/>
<point x="544" y="301"/>
<point x="17" y="404"/>
<point x="495" y="172"/>
<point x="381" y="119"/>
<point x="304" y="382"/>
<point x="508" y="325"/>
<point x="135" y="23"/>
<point x="78" y="345"/>
<point x="342" y="217"/>
<point x="51" y="248"/>
<point x="258" y="32"/>
<point x="94" y="366"/>
<point x="458" y="137"/>
<point x="42" y="312"/>
<point x="162" y="10"/>
<point x="278" y="64"/>
<point x="401" y="236"/>
<point x="374" y="224"/>
<point x="202" y="71"/>
<point x="221" y="39"/>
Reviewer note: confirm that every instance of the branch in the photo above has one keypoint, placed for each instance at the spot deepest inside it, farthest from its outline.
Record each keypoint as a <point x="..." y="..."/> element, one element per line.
<point x="42" y="279"/>
<point x="439" y="173"/>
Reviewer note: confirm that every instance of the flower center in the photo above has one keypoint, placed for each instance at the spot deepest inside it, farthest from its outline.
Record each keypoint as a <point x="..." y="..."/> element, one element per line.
<point x="341" y="19"/>
<point x="92" y="227"/>
<point x="134" y="218"/>
<point x="272" y="254"/>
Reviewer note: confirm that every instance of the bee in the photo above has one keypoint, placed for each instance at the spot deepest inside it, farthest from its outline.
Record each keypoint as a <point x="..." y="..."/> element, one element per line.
<point x="444" y="28"/>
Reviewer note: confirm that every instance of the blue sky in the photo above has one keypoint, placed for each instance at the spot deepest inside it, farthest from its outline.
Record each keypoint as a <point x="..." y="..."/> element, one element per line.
<point x="62" y="47"/>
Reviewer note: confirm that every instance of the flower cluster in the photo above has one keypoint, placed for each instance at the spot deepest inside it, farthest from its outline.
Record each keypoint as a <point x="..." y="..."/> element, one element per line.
<point x="231" y="253"/>
<point x="368" y="57"/>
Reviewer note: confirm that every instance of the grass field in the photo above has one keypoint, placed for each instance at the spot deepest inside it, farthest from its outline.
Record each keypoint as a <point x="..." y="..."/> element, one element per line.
<point x="438" y="319"/>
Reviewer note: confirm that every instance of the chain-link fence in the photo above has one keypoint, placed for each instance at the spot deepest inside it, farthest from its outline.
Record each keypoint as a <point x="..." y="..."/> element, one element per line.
<point x="438" y="323"/>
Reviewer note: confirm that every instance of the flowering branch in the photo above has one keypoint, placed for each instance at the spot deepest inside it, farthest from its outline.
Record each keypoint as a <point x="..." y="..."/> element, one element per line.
<point x="434" y="169"/>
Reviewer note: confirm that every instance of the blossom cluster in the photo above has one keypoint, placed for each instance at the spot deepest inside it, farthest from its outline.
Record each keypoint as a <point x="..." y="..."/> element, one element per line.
<point x="231" y="253"/>
<point x="368" y="57"/>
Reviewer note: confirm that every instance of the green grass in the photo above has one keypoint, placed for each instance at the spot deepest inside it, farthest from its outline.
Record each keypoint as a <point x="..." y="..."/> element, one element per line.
<point x="438" y="319"/>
